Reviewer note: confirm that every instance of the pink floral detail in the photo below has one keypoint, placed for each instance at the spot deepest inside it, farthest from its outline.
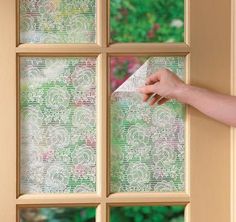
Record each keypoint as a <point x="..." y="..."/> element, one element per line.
<point x="80" y="170"/>
<point x="122" y="68"/>
<point x="91" y="141"/>
<point x="79" y="103"/>
<point x="48" y="155"/>
<point x="153" y="31"/>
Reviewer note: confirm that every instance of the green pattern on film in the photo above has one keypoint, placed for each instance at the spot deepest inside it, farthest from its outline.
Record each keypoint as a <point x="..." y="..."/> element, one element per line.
<point x="147" y="143"/>
<point x="57" y="21"/>
<point x="58" y="127"/>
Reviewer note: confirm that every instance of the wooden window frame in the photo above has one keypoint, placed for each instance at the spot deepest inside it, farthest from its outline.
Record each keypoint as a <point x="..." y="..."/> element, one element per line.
<point x="197" y="48"/>
<point x="233" y="129"/>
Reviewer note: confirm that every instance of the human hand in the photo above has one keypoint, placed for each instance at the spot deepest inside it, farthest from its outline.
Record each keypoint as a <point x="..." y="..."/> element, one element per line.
<point x="163" y="83"/>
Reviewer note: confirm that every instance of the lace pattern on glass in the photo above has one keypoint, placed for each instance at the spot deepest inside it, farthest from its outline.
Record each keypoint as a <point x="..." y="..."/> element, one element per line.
<point x="147" y="142"/>
<point x="58" y="131"/>
<point x="57" y="21"/>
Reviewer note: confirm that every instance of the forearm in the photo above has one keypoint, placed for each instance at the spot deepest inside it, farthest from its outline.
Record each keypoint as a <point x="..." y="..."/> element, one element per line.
<point x="218" y="106"/>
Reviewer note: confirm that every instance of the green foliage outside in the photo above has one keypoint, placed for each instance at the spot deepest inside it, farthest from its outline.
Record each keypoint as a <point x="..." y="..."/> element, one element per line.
<point x="124" y="214"/>
<point x="148" y="214"/>
<point x="70" y="215"/>
<point x="58" y="215"/>
<point x="147" y="21"/>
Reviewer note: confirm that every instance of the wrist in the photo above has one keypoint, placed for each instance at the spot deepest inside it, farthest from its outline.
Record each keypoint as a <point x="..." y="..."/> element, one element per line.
<point x="182" y="92"/>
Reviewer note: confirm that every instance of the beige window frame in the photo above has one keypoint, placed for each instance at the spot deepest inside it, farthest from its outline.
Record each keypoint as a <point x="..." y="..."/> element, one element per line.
<point x="233" y="130"/>
<point x="208" y="143"/>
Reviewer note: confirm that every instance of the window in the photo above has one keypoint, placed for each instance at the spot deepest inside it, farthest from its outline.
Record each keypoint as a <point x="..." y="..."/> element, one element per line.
<point x="62" y="108"/>
<point x="68" y="125"/>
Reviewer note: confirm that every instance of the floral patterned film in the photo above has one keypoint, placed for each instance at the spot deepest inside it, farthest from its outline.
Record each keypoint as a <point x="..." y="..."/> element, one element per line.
<point x="58" y="129"/>
<point x="147" y="142"/>
<point x="57" y="21"/>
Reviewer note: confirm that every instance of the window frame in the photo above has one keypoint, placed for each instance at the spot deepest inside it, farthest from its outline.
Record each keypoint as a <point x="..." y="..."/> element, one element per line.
<point x="233" y="129"/>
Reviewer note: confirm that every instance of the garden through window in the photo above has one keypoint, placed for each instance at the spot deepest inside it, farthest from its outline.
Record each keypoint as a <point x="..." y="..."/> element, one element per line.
<point x="149" y="21"/>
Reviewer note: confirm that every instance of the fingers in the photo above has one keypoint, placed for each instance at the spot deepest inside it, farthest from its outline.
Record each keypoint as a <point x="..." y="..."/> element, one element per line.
<point x="162" y="101"/>
<point x="154" y="100"/>
<point x="146" y="97"/>
<point x="148" y="89"/>
<point x="157" y="99"/>
<point x="153" y="78"/>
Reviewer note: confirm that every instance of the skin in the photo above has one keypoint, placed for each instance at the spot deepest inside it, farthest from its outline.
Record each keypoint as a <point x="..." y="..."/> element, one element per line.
<point x="166" y="84"/>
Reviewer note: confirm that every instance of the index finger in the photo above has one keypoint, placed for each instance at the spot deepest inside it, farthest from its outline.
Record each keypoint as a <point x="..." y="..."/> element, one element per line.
<point x="147" y="89"/>
<point x="153" y="78"/>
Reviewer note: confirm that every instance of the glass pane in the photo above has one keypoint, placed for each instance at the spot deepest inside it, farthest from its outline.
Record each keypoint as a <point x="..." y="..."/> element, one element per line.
<point x="57" y="215"/>
<point x="58" y="126"/>
<point x="147" y="21"/>
<point x="148" y="214"/>
<point x="122" y="68"/>
<point x="147" y="143"/>
<point x="57" y="21"/>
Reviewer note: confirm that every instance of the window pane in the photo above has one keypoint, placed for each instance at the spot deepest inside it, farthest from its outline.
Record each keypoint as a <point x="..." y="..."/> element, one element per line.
<point x="148" y="214"/>
<point x="147" y="143"/>
<point x="122" y="68"/>
<point x="60" y="21"/>
<point x="147" y="21"/>
<point x="57" y="215"/>
<point x="58" y="131"/>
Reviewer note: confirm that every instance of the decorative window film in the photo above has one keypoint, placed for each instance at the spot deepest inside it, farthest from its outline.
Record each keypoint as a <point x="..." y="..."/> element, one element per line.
<point x="58" y="126"/>
<point x="148" y="214"/>
<point x="147" y="21"/>
<point x="57" y="214"/>
<point x="57" y="21"/>
<point x="147" y="143"/>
